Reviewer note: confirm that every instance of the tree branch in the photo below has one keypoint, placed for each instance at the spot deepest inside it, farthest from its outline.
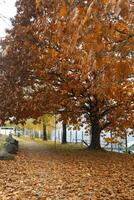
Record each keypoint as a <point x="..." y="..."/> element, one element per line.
<point x="105" y="125"/>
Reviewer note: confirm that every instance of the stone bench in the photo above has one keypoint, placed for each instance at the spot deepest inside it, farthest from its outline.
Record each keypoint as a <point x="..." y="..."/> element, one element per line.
<point x="12" y="145"/>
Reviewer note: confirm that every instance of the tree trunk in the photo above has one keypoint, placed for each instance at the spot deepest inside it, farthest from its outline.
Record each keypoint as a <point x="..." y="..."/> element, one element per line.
<point x="44" y="132"/>
<point x="64" y="134"/>
<point x="95" y="137"/>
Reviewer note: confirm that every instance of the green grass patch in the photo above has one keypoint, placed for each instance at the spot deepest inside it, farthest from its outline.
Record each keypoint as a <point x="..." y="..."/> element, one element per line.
<point x="2" y="141"/>
<point x="52" y="145"/>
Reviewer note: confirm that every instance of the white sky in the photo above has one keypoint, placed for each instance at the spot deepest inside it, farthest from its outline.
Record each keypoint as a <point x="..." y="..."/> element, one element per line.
<point x="8" y="10"/>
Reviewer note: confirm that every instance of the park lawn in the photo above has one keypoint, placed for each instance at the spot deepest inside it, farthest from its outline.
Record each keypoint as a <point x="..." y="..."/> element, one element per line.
<point x="2" y="141"/>
<point x="52" y="145"/>
<point x="42" y="171"/>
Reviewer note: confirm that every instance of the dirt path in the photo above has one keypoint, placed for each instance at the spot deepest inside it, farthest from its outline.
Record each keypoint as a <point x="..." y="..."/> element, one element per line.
<point x="32" y="146"/>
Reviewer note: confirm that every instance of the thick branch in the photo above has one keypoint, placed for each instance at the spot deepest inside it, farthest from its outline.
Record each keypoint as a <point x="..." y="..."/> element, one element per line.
<point x="105" y="125"/>
<point x="107" y="110"/>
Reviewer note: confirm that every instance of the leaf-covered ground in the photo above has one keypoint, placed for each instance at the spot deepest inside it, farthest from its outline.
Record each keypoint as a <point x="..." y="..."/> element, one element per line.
<point x="38" y="173"/>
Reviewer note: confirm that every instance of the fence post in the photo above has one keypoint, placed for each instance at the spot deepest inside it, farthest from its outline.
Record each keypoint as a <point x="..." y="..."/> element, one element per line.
<point x="126" y="142"/>
<point x="82" y="136"/>
<point x="58" y="135"/>
<point x="111" y="142"/>
<point x="76" y="137"/>
<point x="70" y="136"/>
<point x="55" y="132"/>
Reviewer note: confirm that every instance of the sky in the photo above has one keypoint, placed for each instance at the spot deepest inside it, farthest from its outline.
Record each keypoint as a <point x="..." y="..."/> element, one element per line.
<point x="7" y="10"/>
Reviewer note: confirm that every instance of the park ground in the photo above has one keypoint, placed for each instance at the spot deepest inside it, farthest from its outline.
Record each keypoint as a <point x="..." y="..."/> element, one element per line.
<point x="43" y="171"/>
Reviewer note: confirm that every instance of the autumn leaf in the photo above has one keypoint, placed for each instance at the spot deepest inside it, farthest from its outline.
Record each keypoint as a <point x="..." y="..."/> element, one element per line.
<point x="63" y="10"/>
<point x="38" y="3"/>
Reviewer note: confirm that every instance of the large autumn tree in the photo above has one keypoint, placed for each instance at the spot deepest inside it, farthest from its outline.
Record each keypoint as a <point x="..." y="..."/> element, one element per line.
<point x="81" y="52"/>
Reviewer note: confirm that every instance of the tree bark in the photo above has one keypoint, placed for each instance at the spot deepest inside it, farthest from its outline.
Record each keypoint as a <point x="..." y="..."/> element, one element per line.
<point x="95" y="136"/>
<point x="44" y="132"/>
<point x="64" y="134"/>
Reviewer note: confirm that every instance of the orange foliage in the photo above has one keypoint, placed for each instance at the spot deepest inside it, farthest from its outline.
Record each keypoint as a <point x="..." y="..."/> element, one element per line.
<point x="63" y="10"/>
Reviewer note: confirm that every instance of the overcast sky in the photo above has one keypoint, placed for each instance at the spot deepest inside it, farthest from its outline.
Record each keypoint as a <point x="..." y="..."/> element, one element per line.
<point x="7" y="10"/>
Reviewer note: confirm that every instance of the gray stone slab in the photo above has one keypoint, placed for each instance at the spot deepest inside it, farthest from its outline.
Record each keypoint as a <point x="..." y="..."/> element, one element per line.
<point x="4" y="155"/>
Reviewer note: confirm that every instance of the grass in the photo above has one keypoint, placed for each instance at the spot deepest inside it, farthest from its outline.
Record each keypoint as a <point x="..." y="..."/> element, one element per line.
<point x="2" y="141"/>
<point x="54" y="146"/>
<point x="67" y="148"/>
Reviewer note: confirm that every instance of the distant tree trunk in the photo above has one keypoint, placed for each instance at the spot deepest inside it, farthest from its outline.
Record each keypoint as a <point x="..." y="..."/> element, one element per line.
<point x="95" y="136"/>
<point x="44" y="131"/>
<point x="64" y="133"/>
